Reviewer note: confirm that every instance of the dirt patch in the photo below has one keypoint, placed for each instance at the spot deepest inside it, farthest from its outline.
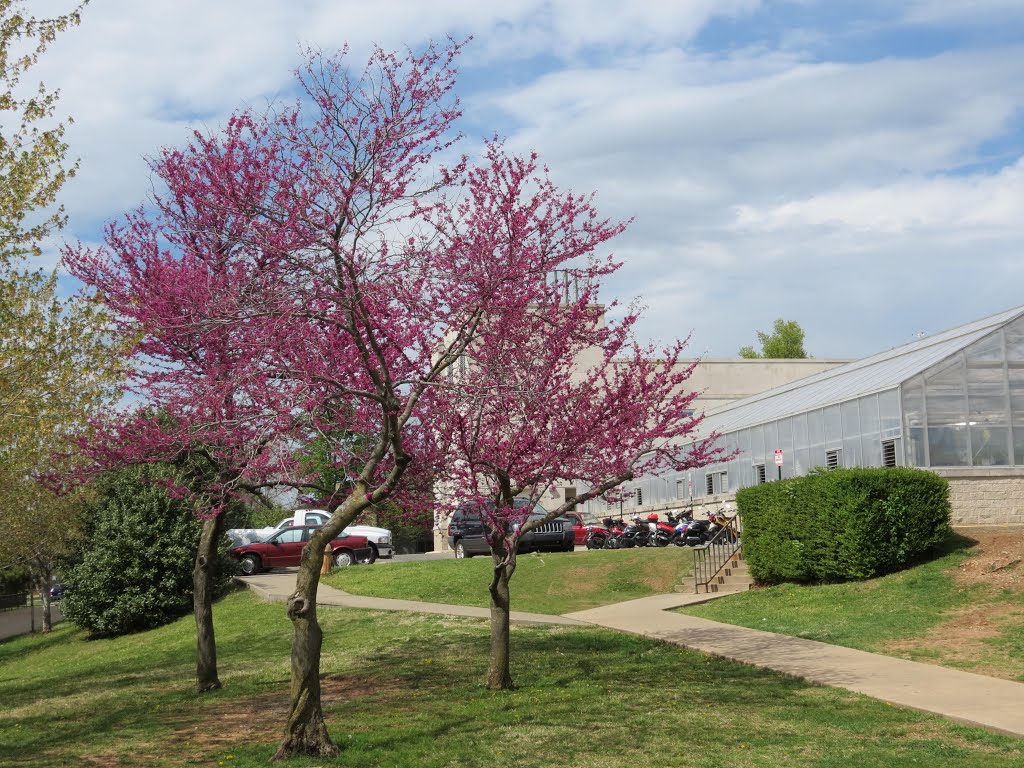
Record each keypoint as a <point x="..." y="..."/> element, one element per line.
<point x="588" y="579"/>
<point x="960" y="641"/>
<point x="964" y="639"/>
<point x="201" y="734"/>
<point x="997" y="558"/>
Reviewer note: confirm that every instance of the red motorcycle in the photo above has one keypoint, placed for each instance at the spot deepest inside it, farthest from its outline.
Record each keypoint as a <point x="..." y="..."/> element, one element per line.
<point x="661" y="532"/>
<point x="607" y="537"/>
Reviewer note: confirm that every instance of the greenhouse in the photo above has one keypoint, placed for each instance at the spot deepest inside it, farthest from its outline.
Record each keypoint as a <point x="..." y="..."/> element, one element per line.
<point x="952" y="402"/>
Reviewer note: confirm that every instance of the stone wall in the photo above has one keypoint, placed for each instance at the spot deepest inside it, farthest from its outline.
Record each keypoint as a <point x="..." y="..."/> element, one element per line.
<point x="986" y="496"/>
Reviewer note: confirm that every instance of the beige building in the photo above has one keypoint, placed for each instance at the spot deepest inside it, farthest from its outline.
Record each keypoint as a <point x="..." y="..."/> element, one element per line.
<point x="724" y="380"/>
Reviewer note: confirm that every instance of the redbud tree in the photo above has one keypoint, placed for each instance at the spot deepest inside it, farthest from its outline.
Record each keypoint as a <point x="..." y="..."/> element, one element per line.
<point x="558" y="394"/>
<point x="309" y="274"/>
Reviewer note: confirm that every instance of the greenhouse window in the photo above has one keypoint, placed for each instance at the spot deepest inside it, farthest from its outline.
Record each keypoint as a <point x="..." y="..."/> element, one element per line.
<point x="888" y="453"/>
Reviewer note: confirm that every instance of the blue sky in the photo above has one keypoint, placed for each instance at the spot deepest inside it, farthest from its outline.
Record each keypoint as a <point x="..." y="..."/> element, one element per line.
<point x="855" y="166"/>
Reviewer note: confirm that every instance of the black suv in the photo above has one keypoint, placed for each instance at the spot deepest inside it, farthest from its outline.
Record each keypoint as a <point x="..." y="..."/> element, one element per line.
<point x="466" y="532"/>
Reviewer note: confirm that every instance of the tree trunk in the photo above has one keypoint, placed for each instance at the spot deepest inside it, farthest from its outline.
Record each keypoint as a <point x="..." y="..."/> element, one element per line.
<point x="44" y="599"/>
<point x="499" y="675"/>
<point x="306" y="732"/>
<point x="42" y="578"/>
<point x="202" y="606"/>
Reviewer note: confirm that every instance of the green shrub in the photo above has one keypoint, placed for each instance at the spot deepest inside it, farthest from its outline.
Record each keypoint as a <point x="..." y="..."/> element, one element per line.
<point x="409" y="529"/>
<point x="135" y="571"/>
<point x="14" y="579"/>
<point x="841" y="525"/>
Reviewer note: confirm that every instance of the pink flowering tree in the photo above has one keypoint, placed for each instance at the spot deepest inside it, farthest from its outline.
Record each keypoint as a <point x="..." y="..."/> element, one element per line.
<point x="555" y="394"/>
<point x="188" y="286"/>
<point x="310" y="275"/>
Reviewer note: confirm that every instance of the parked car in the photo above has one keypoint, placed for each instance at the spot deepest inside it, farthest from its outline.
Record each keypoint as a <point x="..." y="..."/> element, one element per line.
<point x="581" y="529"/>
<point x="379" y="538"/>
<point x="284" y="548"/>
<point x="467" y="538"/>
<point x="57" y="591"/>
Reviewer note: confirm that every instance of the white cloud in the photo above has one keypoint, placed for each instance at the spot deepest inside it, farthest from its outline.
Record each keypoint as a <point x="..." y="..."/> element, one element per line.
<point x="854" y="191"/>
<point x="976" y="11"/>
<point x="980" y="204"/>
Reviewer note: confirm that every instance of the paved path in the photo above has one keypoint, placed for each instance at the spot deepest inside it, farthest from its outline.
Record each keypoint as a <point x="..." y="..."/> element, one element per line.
<point x="277" y="585"/>
<point x="974" y="699"/>
<point x="18" y="621"/>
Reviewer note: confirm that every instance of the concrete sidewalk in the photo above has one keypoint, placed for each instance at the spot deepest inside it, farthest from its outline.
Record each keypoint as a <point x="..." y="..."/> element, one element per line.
<point x="973" y="699"/>
<point x="277" y="586"/>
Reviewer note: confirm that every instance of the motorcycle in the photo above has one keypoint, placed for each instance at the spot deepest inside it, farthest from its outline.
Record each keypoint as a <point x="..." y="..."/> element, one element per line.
<point x="680" y="522"/>
<point x="607" y="537"/>
<point x="723" y="527"/>
<point x="661" y="533"/>
<point x="636" y="535"/>
<point x="697" y="532"/>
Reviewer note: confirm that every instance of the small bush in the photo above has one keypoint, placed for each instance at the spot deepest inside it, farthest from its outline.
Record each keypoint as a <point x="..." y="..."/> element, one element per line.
<point x="842" y="525"/>
<point x="409" y="529"/>
<point x="15" y="579"/>
<point x="135" y="571"/>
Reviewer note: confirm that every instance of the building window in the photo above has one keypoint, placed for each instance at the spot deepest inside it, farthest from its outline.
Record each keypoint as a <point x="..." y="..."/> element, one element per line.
<point x="716" y="482"/>
<point x="639" y="497"/>
<point x="680" y="489"/>
<point x="570" y="494"/>
<point x="888" y="453"/>
<point x="759" y="477"/>
<point x="834" y="458"/>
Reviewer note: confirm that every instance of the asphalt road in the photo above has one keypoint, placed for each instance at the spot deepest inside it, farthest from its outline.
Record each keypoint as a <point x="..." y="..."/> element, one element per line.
<point x="18" y="621"/>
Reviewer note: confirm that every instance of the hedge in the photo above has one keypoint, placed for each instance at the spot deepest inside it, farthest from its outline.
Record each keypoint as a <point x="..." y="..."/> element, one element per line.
<point x="843" y="524"/>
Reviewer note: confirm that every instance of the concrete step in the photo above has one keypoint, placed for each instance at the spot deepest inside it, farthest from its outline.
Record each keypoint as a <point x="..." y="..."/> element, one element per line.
<point x="734" y="577"/>
<point x="735" y="568"/>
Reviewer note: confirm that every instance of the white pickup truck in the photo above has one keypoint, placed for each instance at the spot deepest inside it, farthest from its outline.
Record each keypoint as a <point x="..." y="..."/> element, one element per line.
<point x="379" y="538"/>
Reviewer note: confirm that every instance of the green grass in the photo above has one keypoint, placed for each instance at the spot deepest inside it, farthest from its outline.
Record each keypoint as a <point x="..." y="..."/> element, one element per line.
<point x="555" y="584"/>
<point x="406" y="690"/>
<point x="875" y="615"/>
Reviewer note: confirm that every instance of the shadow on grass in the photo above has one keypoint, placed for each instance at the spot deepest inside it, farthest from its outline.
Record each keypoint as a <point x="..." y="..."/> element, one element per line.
<point x="955" y="542"/>
<point x="411" y="688"/>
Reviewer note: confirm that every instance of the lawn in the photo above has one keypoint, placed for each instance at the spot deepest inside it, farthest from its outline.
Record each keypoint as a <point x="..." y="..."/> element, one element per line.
<point x="948" y="611"/>
<point x="406" y="690"/>
<point x="556" y="583"/>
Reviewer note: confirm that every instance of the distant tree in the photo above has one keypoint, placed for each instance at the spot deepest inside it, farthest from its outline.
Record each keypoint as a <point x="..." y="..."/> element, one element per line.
<point x="32" y="147"/>
<point x="41" y="534"/>
<point x="54" y="353"/>
<point x="785" y="341"/>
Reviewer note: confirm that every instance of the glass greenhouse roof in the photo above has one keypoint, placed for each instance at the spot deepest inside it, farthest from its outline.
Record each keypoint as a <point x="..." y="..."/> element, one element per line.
<point x="877" y="373"/>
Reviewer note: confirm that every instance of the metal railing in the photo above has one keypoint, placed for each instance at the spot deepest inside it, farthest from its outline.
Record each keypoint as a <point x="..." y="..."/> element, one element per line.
<point x="711" y="557"/>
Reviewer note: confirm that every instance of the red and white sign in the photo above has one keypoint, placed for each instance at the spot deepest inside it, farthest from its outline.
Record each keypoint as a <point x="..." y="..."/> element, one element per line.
<point x="778" y="458"/>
